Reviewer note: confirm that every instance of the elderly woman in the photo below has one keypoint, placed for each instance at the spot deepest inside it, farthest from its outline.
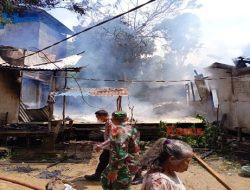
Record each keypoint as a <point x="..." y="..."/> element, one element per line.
<point x="124" y="152"/>
<point x="163" y="159"/>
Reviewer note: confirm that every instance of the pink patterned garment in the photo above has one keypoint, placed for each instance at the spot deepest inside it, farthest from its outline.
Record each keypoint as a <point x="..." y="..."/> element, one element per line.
<point x="160" y="181"/>
<point x="108" y="125"/>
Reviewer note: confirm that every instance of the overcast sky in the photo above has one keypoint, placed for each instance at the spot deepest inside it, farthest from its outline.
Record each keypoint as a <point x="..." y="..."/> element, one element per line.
<point x="225" y="27"/>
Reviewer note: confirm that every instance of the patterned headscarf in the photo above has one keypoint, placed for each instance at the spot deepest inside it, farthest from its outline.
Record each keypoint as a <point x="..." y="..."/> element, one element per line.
<point x="164" y="148"/>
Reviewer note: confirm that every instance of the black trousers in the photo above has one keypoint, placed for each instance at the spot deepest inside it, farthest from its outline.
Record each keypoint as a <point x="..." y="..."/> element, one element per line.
<point x="103" y="162"/>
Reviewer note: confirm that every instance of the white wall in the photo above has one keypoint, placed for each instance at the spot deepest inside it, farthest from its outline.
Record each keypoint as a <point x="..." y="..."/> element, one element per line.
<point x="234" y="98"/>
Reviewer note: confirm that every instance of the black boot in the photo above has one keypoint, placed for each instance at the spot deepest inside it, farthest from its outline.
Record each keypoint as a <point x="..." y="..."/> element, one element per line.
<point x="93" y="177"/>
<point x="137" y="180"/>
<point x="103" y="162"/>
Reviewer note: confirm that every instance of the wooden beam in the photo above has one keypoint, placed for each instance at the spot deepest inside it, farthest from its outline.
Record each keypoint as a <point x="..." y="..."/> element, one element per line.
<point x="50" y="101"/>
<point x="212" y="172"/>
<point x="64" y="99"/>
<point x="192" y="89"/>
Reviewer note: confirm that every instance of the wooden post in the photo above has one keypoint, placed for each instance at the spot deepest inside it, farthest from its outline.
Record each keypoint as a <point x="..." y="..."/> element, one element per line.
<point x="64" y="99"/>
<point x="192" y="89"/>
<point x="239" y="133"/>
<point x="50" y="101"/>
<point x="20" y="96"/>
<point x="232" y="82"/>
<point x="119" y="103"/>
<point x="202" y="89"/>
<point x="217" y="114"/>
<point x="187" y="93"/>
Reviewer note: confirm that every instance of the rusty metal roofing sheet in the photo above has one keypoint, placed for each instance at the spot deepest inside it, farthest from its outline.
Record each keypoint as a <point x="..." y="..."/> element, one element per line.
<point x="109" y="92"/>
<point x="39" y="63"/>
<point x="106" y="91"/>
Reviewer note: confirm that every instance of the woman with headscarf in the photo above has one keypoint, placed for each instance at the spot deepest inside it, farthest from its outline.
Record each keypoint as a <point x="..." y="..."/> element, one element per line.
<point x="164" y="159"/>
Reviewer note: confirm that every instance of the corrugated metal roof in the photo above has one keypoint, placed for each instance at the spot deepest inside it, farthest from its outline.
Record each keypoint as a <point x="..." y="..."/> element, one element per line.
<point x="60" y="65"/>
<point x="12" y="67"/>
<point x="66" y="62"/>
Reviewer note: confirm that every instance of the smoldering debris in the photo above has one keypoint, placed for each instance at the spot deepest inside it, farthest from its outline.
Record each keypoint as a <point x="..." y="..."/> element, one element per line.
<point x="22" y="169"/>
<point x="25" y="169"/>
<point x="51" y="175"/>
<point x="174" y="108"/>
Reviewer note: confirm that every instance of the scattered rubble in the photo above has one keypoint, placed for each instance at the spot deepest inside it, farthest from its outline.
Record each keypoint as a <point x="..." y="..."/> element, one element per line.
<point x="51" y="175"/>
<point x="21" y="169"/>
<point x="245" y="171"/>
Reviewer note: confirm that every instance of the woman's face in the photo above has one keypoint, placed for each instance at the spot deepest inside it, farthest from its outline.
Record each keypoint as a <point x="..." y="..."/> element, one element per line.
<point x="182" y="166"/>
<point x="179" y="165"/>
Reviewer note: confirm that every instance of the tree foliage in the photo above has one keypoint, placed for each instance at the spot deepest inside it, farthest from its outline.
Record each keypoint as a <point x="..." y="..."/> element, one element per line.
<point x="11" y="6"/>
<point x="136" y="34"/>
<point x="132" y="38"/>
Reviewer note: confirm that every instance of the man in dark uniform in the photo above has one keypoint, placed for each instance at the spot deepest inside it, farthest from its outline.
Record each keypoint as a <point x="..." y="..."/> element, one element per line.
<point x="101" y="116"/>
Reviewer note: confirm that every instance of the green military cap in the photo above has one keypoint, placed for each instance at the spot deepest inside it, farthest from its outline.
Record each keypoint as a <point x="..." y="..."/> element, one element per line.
<point x="119" y="114"/>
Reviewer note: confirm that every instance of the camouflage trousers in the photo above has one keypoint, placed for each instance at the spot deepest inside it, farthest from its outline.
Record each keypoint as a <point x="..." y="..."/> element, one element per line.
<point x="122" y="182"/>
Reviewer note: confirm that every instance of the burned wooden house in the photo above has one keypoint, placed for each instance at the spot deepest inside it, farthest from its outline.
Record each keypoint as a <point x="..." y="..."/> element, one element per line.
<point x="233" y="91"/>
<point x="27" y="89"/>
<point x="227" y="89"/>
<point x="28" y="85"/>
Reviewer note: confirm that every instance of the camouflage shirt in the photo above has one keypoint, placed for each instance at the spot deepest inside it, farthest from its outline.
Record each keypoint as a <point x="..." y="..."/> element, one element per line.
<point x="124" y="156"/>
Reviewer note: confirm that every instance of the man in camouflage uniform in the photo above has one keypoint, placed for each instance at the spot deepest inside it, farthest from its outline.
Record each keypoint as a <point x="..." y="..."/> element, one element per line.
<point x="124" y="152"/>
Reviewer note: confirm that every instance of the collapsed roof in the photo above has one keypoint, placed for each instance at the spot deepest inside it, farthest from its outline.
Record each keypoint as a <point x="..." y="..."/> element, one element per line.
<point x="230" y="68"/>
<point x="12" y="58"/>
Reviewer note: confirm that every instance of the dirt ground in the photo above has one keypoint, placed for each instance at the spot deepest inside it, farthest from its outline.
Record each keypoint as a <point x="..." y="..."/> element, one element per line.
<point x="196" y="178"/>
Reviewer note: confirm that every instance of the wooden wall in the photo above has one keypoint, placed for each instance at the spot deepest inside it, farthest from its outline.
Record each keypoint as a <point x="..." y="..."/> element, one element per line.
<point x="9" y="94"/>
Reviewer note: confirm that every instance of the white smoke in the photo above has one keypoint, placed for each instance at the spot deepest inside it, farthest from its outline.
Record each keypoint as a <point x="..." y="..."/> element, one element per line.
<point x="109" y="56"/>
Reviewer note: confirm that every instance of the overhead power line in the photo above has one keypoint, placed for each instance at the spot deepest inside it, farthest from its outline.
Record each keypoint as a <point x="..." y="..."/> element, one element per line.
<point x="206" y="78"/>
<point x="71" y="76"/>
<point x="89" y="28"/>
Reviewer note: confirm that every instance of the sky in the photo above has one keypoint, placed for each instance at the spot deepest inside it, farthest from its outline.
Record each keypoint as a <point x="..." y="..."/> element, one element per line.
<point x="225" y="26"/>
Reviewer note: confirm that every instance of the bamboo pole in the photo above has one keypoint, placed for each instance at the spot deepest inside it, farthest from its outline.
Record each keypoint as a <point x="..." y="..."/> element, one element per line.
<point x="20" y="183"/>
<point x="212" y="172"/>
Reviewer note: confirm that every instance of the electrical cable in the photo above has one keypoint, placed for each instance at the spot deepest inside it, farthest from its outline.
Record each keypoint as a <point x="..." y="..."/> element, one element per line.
<point x="82" y="96"/>
<point x="154" y="81"/>
<point x="87" y="29"/>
